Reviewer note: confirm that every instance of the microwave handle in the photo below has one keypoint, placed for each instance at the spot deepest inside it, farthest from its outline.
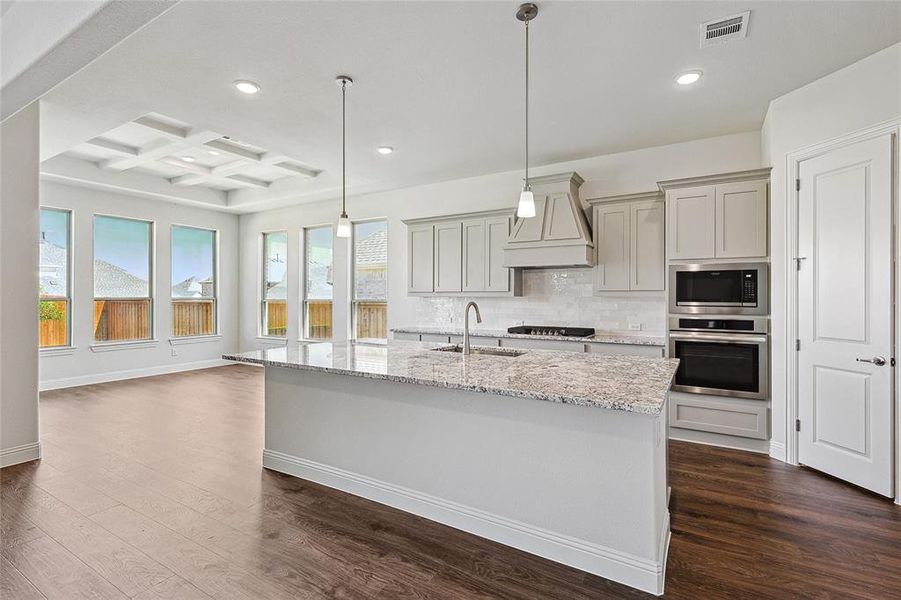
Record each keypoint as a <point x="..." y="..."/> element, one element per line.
<point x="708" y="337"/>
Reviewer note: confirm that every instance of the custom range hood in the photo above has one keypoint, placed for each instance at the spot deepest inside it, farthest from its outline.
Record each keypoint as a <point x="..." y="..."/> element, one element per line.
<point x="558" y="235"/>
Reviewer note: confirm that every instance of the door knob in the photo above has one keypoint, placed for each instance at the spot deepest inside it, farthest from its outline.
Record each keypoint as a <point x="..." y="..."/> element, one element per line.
<point x="876" y="360"/>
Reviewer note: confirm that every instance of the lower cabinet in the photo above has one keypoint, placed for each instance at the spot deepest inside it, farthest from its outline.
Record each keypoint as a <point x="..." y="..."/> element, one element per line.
<point x="533" y="344"/>
<point x="526" y="343"/>
<point x="727" y="416"/>
<point x="626" y="349"/>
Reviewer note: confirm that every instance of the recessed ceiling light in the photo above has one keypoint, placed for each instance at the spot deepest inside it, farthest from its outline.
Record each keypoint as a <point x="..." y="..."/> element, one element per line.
<point x="688" y="78"/>
<point x="384" y="149"/>
<point x="213" y="152"/>
<point x="188" y="158"/>
<point x="247" y="87"/>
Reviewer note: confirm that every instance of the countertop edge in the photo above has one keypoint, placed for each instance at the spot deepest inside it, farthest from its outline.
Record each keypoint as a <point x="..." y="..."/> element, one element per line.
<point x="649" y="408"/>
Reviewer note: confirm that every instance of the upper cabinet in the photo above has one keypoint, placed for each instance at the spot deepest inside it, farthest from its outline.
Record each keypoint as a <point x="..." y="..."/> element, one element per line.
<point x="717" y="216"/>
<point x="628" y="234"/>
<point x="460" y="255"/>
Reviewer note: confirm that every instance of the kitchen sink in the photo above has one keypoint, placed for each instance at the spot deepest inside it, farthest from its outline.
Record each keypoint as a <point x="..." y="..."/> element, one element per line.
<point x="489" y="350"/>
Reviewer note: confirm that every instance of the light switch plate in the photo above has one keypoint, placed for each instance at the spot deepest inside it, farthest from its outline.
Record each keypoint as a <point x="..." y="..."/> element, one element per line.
<point x="634" y="326"/>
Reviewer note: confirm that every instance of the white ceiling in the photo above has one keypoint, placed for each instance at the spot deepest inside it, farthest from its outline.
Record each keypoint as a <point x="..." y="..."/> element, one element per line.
<point x="442" y="83"/>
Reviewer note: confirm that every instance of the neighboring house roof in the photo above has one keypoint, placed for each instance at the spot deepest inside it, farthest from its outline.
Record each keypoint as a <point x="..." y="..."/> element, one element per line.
<point x="52" y="269"/>
<point x="192" y="287"/>
<point x="371" y="255"/>
<point x="372" y="249"/>
<point x="111" y="281"/>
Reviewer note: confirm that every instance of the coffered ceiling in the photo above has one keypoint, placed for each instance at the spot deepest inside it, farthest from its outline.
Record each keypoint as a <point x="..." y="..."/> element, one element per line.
<point x="441" y="82"/>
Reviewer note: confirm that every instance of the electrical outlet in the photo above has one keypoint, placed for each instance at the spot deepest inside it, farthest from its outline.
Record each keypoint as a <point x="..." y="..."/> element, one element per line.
<point x="174" y="352"/>
<point x="634" y="326"/>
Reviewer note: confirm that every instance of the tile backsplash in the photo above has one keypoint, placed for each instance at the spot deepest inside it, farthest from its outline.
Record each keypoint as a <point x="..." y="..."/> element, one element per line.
<point x="553" y="297"/>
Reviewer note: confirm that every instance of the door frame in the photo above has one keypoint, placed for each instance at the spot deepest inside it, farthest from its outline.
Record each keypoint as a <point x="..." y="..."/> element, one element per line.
<point x="792" y="170"/>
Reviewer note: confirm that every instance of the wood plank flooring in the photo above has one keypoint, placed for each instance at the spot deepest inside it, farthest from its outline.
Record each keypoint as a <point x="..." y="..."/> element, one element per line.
<point x="152" y="489"/>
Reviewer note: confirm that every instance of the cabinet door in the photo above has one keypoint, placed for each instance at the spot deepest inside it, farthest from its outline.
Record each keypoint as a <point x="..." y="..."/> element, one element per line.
<point x="497" y="229"/>
<point x="611" y="232"/>
<point x="420" y="258"/>
<point x="741" y="219"/>
<point x="691" y="223"/>
<point x="646" y="256"/>
<point x="448" y="257"/>
<point x="475" y="256"/>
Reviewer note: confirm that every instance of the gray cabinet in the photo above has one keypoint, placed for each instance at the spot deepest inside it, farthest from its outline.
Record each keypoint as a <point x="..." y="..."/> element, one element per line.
<point x="449" y="257"/>
<point x="629" y="237"/>
<point x="717" y="216"/>
<point x="691" y="222"/>
<point x="420" y="265"/>
<point x="725" y="416"/>
<point x="460" y="255"/>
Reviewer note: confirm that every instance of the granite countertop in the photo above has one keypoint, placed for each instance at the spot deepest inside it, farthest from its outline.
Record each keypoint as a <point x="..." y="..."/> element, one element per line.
<point x="628" y="383"/>
<point x="598" y="338"/>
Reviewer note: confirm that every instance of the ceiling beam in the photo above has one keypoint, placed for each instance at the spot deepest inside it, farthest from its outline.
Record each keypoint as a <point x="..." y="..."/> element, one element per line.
<point x="266" y="158"/>
<point x="160" y="148"/>
<point x="114" y="146"/>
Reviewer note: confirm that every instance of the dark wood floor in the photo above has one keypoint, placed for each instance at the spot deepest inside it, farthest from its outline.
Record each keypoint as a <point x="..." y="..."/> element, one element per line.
<point x="152" y="489"/>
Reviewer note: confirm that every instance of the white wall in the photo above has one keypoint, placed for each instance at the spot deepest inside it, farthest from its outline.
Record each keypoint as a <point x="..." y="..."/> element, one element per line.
<point x="856" y="97"/>
<point x="625" y="172"/>
<point x="83" y="365"/>
<point x="19" y="287"/>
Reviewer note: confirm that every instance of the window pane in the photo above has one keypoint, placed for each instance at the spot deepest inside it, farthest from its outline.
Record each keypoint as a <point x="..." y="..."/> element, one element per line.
<point x="319" y="283"/>
<point x="121" y="258"/>
<point x="122" y="303"/>
<point x="193" y="281"/>
<point x="53" y="328"/>
<point x="371" y="260"/>
<point x="370" y="279"/>
<point x="275" y="284"/>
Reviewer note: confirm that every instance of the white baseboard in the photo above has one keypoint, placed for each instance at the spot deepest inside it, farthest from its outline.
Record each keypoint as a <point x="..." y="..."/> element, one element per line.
<point x="719" y="440"/>
<point x="66" y="382"/>
<point x="777" y="450"/>
<point x="19" y="454"/>
<point x="631" y="570"/>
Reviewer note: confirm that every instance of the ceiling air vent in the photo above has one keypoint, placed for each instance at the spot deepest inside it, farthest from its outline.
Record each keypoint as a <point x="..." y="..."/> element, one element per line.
<point x="723" y="30"/>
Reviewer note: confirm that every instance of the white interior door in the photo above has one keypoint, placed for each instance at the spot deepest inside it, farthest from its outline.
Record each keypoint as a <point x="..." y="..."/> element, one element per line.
<point x="845" y="313"/>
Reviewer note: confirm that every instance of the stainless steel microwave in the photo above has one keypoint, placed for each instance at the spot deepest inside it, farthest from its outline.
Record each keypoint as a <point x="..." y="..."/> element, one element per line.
<point x="720" y="288"/>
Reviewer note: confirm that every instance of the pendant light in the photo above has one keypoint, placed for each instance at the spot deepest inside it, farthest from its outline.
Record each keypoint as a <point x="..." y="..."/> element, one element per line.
<point x="343" y="230"/>
<point x="526" y="206"/>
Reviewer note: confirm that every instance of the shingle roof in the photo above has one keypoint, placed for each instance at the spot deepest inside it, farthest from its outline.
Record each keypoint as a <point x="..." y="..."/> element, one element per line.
<point x="111" y="281"/>
<point x="372" y="249"/>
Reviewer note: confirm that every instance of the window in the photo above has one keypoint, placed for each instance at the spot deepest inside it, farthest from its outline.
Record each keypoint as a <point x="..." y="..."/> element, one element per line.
<point x="193" y="281"/>
<point x="370" y="280"/>
<point x="55" y="314"/>
<point x="317" y="305"/>
<point x="275" y="284"/>
<point x="123" y="303"/>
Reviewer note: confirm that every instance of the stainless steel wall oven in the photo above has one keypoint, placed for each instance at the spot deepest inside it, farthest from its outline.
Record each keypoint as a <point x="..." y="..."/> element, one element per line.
<point x="721" y="355"/>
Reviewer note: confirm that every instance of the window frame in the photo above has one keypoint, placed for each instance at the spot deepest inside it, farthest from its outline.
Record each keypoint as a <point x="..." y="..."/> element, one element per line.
<point x="151" y="281"/>
<point x="68" y="298"/>
<point x="304" y="273"/>
<point x="352" y="295"/>
<point x="216" y="324"/>
<point x="261" y="283"/>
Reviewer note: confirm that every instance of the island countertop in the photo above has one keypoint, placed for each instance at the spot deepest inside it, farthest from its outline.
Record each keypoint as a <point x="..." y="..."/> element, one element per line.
<point x="626" y="383"/>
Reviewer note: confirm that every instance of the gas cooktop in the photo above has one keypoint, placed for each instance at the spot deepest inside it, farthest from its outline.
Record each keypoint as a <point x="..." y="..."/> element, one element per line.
<point x="552" y="330"/>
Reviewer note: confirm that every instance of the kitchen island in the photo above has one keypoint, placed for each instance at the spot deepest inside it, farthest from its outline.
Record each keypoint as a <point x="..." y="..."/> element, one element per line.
<point x="559" y="454"/>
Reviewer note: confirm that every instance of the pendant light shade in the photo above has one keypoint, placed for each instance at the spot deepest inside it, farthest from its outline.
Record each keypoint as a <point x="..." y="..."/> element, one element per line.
<point x="343" y="229"/>
<point x="526" y="206"/>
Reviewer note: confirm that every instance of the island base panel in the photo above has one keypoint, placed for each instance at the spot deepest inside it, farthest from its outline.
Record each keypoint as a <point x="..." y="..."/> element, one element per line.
<point x="582" y="486"/>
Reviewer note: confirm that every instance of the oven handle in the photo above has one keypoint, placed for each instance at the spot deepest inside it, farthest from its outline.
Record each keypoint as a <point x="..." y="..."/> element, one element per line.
<point x="707" y="337"/>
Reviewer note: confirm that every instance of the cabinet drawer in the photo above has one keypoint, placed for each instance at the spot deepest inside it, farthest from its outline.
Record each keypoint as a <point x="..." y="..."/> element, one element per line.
<point x="626" y="349"/>
<point x="543" y="344"/>
<point x="733" y="416"/>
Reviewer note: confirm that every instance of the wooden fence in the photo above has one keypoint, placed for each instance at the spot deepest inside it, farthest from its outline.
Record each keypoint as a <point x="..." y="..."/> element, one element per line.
<point x="193" y="317"/>
<point x="52" y="332"/>
<point x="276" y="317"/>
<point x="319" y="319"/>
<point x="121" y="320"/>
<point x="371" y="320"/>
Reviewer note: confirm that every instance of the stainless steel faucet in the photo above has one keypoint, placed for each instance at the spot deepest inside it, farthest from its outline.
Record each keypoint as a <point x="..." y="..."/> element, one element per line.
<point x="466" y="350"/>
